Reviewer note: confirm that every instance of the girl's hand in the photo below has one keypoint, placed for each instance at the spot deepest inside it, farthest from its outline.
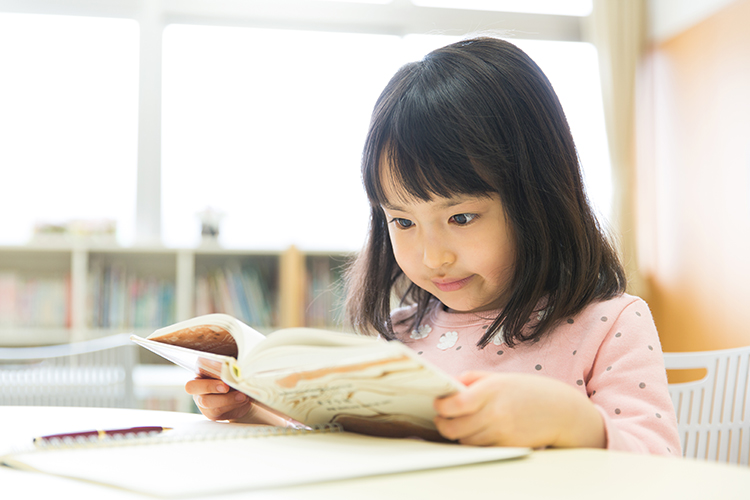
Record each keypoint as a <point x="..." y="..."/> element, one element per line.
<point x="514" y="409"/>
<point x="217" y="401"/>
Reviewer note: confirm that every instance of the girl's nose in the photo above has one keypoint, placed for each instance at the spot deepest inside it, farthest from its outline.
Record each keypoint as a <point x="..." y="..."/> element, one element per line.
<point x="436" y="256"/>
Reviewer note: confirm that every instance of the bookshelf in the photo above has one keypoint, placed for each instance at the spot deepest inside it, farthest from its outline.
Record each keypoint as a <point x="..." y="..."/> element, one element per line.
<point x="70" y="292"/>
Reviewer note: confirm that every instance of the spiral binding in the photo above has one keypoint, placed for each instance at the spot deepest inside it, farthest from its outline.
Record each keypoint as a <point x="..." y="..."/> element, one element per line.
<point x="147" y="438"/>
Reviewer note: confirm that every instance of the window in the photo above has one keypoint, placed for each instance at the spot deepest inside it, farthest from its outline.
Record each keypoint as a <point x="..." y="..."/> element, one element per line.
<point x="560" y="7"/>
<point x="267" y="127"/>
<point x="264" y="125"/>
<point x="68" y="121"/>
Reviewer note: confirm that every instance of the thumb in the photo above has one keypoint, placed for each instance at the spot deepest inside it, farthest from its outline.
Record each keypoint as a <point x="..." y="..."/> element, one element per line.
<point x="470" y="377"/>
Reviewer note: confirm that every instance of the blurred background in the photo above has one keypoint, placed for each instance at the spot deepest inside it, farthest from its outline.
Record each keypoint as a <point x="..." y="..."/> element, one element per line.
<point x="162" y="158"/>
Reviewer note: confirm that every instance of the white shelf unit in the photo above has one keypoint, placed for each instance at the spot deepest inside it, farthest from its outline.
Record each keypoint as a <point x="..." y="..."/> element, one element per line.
<point x="293" y="284"/>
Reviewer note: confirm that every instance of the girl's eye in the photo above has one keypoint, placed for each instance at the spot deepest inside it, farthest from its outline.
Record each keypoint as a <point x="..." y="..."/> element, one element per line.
<point x="402" y="223"/>
<point x="463" y="219"/>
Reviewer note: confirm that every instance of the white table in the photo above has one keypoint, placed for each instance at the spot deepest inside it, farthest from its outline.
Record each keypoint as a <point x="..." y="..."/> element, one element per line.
<point x="555" y="474"/>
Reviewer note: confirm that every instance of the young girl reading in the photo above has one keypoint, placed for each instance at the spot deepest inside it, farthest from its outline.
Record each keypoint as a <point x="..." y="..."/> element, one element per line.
<point x="481" y="227"/>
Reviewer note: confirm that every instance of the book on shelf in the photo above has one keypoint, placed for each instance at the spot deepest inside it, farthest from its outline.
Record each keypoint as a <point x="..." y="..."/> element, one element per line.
<point x="209" y="458"/>
<point x="27" y="300"/>
<point x="241" y="292"/>
<point x="365" y="384"/>
<point x="121" y="298"/>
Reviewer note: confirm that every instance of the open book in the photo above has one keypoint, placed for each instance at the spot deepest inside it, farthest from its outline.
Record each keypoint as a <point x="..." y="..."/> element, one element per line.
<point x="364" y="384"/>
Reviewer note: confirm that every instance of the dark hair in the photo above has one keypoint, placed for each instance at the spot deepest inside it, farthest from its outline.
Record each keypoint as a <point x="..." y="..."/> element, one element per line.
<point x="478" y="117"/>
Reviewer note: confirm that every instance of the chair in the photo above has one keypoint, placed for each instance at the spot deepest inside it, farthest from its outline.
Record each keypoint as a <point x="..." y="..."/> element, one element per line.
<point x="97" y="372"/>
<point x="713" y="413"/>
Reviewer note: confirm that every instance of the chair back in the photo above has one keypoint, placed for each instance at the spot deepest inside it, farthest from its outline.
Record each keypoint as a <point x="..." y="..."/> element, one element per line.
<point x="97" y="372"/>
<point x="713" y="413"/>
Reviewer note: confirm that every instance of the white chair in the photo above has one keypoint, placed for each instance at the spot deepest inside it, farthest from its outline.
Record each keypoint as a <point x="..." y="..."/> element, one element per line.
<point x="713" y="413"/>
<point x="97" y="372"/>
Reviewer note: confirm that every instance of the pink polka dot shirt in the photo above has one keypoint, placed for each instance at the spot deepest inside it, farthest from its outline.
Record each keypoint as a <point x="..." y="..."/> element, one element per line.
<point x="610" y="352"/>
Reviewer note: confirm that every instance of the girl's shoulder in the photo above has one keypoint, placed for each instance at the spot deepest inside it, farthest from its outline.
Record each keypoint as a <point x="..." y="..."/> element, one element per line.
<point x="619" y="304"/>
<point x="603" y="314"/>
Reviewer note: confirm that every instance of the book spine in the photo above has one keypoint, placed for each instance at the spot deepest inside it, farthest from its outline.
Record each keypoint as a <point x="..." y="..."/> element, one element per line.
<point x="34" y="301"/>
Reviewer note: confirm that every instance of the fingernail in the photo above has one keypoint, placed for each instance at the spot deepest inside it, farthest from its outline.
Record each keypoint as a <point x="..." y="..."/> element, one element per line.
<point x="222" y="388"/>
<point x="240" y="397"/>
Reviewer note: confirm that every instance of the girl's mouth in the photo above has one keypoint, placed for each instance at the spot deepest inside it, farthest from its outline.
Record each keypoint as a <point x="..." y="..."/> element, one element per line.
<point x="451" y="285"/>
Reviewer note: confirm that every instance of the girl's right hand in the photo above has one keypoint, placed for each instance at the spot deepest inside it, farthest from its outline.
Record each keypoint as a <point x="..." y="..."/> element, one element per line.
<point x="217" y="401"/>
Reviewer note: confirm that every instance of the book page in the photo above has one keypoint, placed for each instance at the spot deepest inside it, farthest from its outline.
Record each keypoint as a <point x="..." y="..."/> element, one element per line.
<point x="386" y="390"/>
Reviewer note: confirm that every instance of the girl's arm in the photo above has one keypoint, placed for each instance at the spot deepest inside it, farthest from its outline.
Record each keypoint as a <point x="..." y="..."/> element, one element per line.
<point x="625" y="382"/>
<point x="515" y="409"/>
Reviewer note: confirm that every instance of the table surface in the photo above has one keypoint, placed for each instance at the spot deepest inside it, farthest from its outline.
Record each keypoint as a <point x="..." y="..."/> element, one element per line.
<point x="559" y="474"/>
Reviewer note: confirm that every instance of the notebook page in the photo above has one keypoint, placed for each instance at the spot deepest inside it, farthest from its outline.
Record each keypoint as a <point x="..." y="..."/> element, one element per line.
<point x="194" y="468"/>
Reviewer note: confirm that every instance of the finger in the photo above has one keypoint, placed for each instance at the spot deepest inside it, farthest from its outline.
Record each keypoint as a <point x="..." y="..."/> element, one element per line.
<point x="233" y="414"/>
<point x="459" y="404"/>
<point x="223" y="407"/>
<point x="461" y="428"/>
<point x="486" y="437"/>
<point x="219" y="401"/>
<point x="468" y="378"/>
<point x="206" y="386"/>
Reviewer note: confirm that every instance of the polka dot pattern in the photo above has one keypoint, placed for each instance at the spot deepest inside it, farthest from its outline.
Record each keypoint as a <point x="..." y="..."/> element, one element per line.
<point x="607" y="352"/>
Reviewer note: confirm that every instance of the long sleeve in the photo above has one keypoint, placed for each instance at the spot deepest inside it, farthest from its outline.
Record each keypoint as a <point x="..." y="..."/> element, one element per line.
<point x="610" y="352"/>
<point x="628" y="384"/>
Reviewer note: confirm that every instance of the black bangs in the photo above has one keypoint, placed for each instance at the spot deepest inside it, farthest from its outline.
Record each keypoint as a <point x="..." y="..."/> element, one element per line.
<point x="419" y="144"/>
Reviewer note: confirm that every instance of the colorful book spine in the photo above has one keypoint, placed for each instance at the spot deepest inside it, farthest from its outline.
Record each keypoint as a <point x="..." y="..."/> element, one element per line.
<point x="242" y="292"/>
<point x="34" y="301"/>
<point x="120" y="297"/>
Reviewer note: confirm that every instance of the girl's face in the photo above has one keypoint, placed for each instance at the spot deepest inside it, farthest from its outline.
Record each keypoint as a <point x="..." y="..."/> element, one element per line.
<point x="459" y="249"/>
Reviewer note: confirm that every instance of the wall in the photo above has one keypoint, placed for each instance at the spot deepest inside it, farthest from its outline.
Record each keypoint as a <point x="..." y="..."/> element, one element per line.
<point x="694" y="182"/>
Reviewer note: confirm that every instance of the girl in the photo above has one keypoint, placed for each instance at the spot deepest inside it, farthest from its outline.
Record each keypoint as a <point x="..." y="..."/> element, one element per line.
<point x="481" y="228"/>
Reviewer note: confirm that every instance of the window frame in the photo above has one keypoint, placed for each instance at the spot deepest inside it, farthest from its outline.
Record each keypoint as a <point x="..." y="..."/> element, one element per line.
<point x="399" y="17"/>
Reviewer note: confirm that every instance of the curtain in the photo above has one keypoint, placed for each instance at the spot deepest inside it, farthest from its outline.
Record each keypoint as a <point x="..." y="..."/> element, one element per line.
<point x="618" y="29"/>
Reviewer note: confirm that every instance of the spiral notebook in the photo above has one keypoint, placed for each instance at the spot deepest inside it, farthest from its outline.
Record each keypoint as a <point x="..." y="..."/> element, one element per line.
<point x="199" y="460"/>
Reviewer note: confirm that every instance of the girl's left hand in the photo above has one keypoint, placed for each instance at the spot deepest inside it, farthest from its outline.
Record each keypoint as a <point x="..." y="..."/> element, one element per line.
<point x="515" y="409"/>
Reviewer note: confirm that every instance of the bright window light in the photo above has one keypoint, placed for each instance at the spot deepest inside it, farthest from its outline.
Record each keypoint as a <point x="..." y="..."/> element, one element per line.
<point x="68" y="122"/>
<point x="272" y="138"/>
<point x="267" y="127"/>
<point x="580" y="8"/>
<point x="352" y="1"/>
